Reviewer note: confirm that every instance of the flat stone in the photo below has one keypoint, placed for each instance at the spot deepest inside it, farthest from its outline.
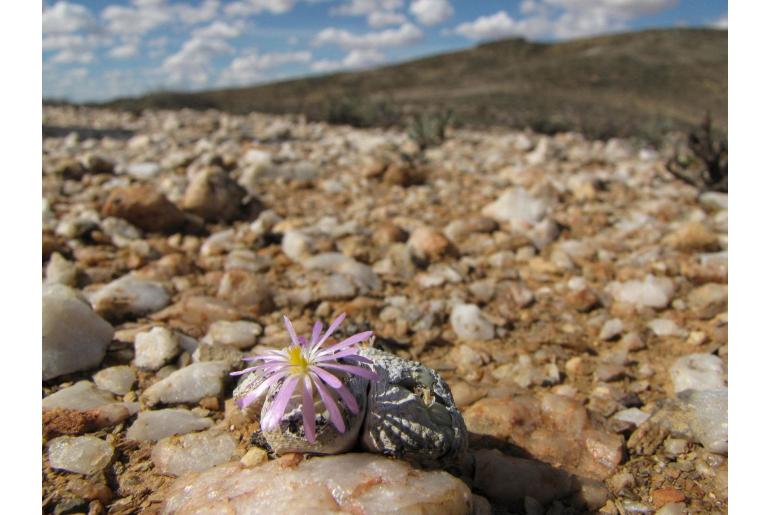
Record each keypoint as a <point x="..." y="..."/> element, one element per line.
<point x="129" y="296"/>
<point x="362" y="275"/>
<point x="156" y="425"/>
<point x="666" y="327"/>
<point x="517" y="207"/>
<point x="611" y="329"/>
<point x="60" y="271"/>
<point x="346" y="483"/>
<point x="193" y="452"/>
<point x="80" y="396"/>
<point x="240" y="334"/>
<point x="708" y="417"/>
<point x="708" y="300"/>
<point x="189" y="384"/>
<point x="213" y="195"/>
<point x="117" y="380"/>
<point x="430" y="244"/>
<point x="81" y="454"/>
<point x="246" y="290"/>
<point x="74" y="337"/>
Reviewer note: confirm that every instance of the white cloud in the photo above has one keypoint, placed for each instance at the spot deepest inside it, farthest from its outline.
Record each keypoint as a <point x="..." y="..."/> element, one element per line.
<point x="720" y="23"/>
<point x="64" y="18"/>
<point x="431" y="12"/>
<point x="488" y="27"/>
<point x="354" y="59"/>
<point x="405" y="35"/>
<point x="379" y="19"/>
<point x="252" y="7"/>
<point x="562" y="19"/>
<point x="125" y="51"/>
<point x="206" y="11"/>
<point x="250" y="67"/>
<point x="134" y="21"/>
<point x="219" y="30"/>
<point x="70" y="56"/>
<point x="366" y="7"/>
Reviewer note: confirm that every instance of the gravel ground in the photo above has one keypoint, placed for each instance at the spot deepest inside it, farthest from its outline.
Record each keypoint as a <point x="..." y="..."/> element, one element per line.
<point x="570" y="292"/>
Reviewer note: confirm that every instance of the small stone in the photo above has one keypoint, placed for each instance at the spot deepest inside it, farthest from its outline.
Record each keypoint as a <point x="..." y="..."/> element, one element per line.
<point x="673" y="508"/>
<point x="388" y="233"/>
<point x="246" y="290"/>
<point x="155" y="348"/>
<point x="156" y="425"/>
<point x="145" y="207"/>
<point x="666" y="327"/>
<point x="335" y="287"/>
<point x="697" y="372"/>
<point x="74" y="337"/>
<point x="469" y="324"/>
<point x="253" y="457"/>
<point x="517" y="207"/>
<point x="693" y="237"/>
<point x="214" y="196"/>
<point x="193" y="452"/>
<point x="117" y="380"/>
<point x="190" y="384"/>
<point x="708" y="417"/>
<point x="607" y="372"/>
<point x="143" y="171"/>
<point x="663" y="496"/>
<point x="654" y="292"/>
<point x="240" y="334"/>
<point x="708" y="300"/>
<point x="361" y="482"/>
<point x="611" y="329"/>
<point x="429" y="244"/>
<point x="675" y="446"/>
<point x="583" y="300"/>
<point x="129" y="296"/>
<point x="361" y="275"/>
<point x="697" y="338"/>
<point x="60" y="271"/>
<point x="635" y="416"/>
<point x="81" y="454"/>
<point x="631" y="342"/>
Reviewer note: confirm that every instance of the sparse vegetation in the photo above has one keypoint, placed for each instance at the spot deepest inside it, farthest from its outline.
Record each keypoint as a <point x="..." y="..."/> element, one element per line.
<point x="638" y="84"/>
<point x="703" y="164"/>
<point x="429" y="129"/>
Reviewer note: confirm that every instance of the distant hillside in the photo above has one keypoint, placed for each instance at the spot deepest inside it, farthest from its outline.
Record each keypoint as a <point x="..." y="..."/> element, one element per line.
<point x="631" y="84"/>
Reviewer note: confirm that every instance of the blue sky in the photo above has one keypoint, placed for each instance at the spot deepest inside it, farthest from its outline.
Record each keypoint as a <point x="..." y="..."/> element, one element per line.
<point x="96" y="50"/>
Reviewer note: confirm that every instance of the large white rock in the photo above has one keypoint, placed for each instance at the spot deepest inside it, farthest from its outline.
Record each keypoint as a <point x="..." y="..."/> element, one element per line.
<point x="155" y="348"/>
<point x="190" y="384"/>
<point x="74" y="337"/>
<point x="708" y="417"/>
<point x="654" y="292"/>
<point x="82" y="395"/>
<point x="469" y="323"/>
<point x="130" y="296"/>
<point x="156" y="425"/>
<point x="81" y="454"/>
<point x="193" y="452"/>
<point x="60" y="271"/>
<point x="697" y="372"/>
<point x="348" y="483"/>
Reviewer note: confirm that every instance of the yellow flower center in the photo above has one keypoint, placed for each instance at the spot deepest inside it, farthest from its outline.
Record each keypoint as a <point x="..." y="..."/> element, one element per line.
<point x="297" y="360"/>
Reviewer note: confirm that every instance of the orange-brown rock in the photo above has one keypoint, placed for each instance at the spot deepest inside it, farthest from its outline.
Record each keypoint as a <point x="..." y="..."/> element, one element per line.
<point x="144" y="207"/>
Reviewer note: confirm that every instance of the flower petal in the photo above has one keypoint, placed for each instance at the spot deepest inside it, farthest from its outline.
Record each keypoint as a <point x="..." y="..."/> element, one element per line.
<point x="347" y="342"/>
<point x="348" y="399"/>
<point x="278" y="405"/>
<point x="308" y="410"/>
<point x="327" y="377"/>
<point x="331" y="405"/>
<point x="333" y="327"/>
<point x="352" y="369"/>
<point x="317" y="328"/>
<point x="302" y="341"/>
<point x="337" y="355"/>
<point x="290" y="328"/>
<point x="359" y="358"/>
<point x="262" y="388"/>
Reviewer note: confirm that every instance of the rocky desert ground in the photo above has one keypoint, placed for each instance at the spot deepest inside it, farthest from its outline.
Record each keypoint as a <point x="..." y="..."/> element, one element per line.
<point x="571" y="292"/>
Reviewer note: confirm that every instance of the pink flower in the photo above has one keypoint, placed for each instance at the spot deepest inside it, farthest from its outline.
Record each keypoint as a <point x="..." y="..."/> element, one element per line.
<point x="311" y="366"/>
